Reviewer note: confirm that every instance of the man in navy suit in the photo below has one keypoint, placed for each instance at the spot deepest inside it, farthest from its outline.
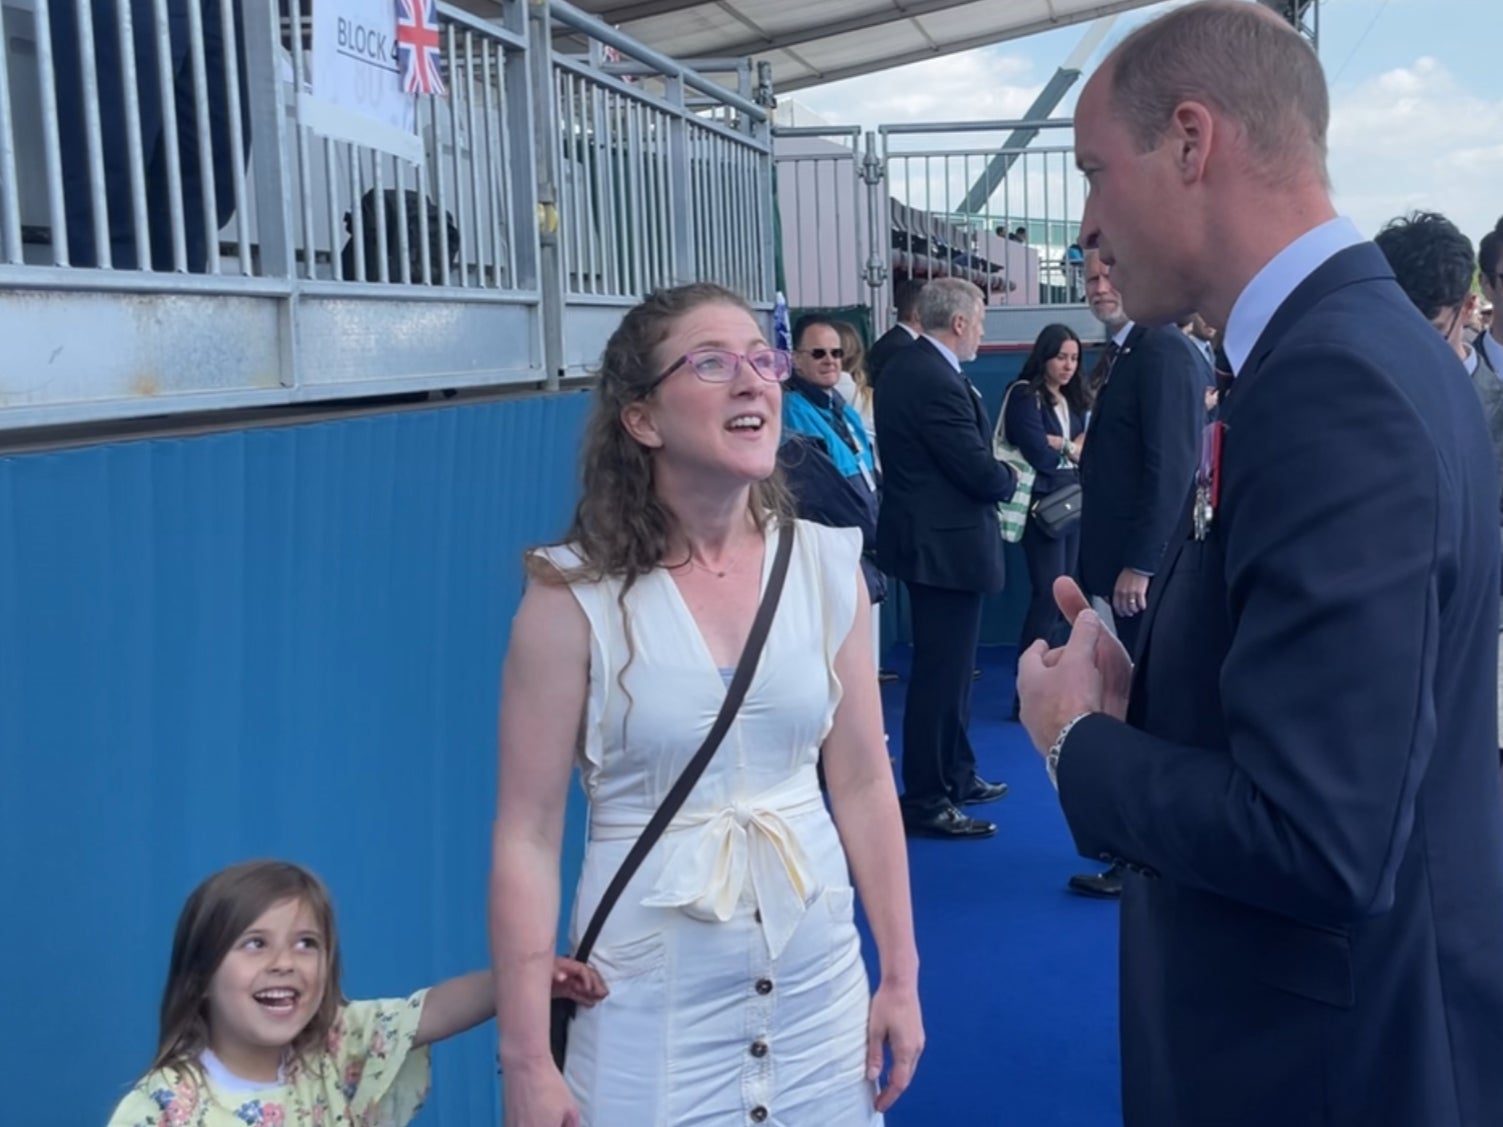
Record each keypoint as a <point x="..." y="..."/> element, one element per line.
<point x="900" y="336"/>
<point x="937" y="531"/>
<point x="1135" y="470"/>
<point x="1301" y="771"/>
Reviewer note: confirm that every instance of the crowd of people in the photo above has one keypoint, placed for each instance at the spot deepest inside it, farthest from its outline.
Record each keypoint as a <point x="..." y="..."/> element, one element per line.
<point x="1259" y="664"/>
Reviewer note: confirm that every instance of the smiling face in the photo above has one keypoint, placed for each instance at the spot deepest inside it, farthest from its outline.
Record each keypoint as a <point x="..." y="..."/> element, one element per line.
<point x="711" y="429"/>
<point x="816" y="357"/>
<point x="267" y="989"/>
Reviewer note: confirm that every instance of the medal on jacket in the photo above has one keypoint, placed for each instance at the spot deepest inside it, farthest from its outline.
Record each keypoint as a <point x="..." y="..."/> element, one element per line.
<point x="1208" y="478"/>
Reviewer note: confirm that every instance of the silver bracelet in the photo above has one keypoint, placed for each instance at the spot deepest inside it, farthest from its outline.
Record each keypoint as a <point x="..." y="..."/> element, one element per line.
<point x="1051" y="759"/>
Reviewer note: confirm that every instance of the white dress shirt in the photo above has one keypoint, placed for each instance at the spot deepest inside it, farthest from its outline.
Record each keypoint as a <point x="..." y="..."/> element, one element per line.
<point x="1273" y="284"/>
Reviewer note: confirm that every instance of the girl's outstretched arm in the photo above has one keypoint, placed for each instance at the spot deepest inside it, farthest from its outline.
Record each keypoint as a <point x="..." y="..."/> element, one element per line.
<point x="456" y="1005"/>
<point x="462" y="1003"/>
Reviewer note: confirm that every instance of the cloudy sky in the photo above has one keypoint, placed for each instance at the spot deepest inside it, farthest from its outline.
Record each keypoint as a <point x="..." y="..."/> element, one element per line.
<point x="1417" y="101"/>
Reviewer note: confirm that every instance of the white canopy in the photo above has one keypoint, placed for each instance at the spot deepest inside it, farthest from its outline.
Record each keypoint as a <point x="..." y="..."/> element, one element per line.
<point x="809" y="42"/>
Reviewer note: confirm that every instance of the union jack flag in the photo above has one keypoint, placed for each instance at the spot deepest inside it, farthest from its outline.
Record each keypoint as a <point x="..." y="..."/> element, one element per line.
<point x="418" y="54"/>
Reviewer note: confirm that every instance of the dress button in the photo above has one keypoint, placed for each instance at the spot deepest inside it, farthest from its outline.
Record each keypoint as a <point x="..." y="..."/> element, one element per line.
<point x="764" y="986"/>
<point x="759" y="1048"/>
<point x="758" y="1114"/>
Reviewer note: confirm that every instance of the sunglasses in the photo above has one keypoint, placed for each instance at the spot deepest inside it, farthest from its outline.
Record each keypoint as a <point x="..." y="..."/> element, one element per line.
<point x="821" y="353"/>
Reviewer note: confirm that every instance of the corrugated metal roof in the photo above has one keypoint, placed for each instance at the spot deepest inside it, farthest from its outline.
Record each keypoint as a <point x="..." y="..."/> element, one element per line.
<point x="810" y="43"/>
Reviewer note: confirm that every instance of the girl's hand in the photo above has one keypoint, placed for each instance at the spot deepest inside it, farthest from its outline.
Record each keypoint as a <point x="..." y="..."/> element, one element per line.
<point x="535" y="1095"/>
<point x="894" y="1022"/>
<point x="577" y="981"/>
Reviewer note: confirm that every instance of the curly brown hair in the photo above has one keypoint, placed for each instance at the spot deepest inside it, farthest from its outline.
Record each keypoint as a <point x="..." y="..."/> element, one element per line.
<point x="621" y="528"/>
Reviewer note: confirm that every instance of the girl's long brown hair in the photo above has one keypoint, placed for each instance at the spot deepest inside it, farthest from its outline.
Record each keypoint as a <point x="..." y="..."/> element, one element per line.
<point x="217" y="913"/>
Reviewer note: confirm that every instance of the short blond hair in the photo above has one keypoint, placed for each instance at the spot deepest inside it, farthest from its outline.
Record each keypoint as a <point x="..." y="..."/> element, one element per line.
<point x="1237" y="58"/>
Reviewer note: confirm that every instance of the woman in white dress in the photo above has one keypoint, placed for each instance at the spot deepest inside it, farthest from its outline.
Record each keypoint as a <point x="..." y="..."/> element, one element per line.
<point x="737" y="989"/>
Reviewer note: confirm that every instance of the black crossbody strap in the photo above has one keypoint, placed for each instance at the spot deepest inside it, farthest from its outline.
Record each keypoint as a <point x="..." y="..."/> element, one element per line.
<point x="735" y="694"/>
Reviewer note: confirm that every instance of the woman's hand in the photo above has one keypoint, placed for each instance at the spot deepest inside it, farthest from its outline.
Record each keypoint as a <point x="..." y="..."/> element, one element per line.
<point x="535" y="1095"/>
<point x="894" y="1022"/>
<point x="579" y="982"/>
<point x="1055" y="441"/>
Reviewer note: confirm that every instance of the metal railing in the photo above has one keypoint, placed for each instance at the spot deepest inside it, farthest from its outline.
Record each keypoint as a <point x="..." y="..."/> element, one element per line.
<point x="237" y="254"/>
<point x="823" y="203"/>
<point x="658" y="175"/>
<point x="931" y="171"/>
<point x="861" y="211"/>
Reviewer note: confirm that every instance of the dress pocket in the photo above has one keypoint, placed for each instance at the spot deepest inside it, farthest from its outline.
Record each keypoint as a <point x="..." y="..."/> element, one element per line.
<point x="618" y="1048"/>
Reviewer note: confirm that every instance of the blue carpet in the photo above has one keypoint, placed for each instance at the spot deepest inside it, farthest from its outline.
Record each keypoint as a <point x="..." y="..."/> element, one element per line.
<point x="1018" y="977"/>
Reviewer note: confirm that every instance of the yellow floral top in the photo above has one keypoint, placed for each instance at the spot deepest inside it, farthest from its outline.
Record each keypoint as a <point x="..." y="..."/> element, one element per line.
<point x="369" y="1075"/>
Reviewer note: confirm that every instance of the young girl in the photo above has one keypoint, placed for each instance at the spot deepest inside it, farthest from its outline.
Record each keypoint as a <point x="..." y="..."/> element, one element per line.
<point x="256" y="1033"/>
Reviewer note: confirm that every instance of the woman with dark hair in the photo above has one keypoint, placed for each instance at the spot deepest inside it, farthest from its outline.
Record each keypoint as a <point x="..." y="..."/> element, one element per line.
<point x="737" y="992"/>
<point x="1045" y="419"/>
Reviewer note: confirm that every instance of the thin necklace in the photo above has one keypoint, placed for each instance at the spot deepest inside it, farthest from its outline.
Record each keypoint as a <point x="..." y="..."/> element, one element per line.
<point x="718" y="573"/>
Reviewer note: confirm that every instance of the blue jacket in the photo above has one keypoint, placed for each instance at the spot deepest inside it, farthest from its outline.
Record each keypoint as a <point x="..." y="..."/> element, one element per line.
<point x="832" y="483"/>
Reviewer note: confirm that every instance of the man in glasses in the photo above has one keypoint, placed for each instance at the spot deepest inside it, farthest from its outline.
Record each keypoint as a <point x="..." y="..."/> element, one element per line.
<point x="937" y="531"/>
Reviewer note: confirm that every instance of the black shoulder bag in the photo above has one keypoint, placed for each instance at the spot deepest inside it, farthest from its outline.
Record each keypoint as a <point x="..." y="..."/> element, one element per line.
<point x="564" y="1008"/>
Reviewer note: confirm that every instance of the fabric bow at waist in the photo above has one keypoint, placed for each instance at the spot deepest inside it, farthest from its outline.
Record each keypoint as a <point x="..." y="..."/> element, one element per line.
<point x="711" y="854"/>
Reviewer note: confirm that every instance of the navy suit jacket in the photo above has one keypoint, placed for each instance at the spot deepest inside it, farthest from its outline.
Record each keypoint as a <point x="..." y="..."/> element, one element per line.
<point x="1028" y="426"/>
<point x="1141" y="450"/>
<point x="940" y="483"/>
<point x="882" y="351"/>
<point x="1307" y="784"/>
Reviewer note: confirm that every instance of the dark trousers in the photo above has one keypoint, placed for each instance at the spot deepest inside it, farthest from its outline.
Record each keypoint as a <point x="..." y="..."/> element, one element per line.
<point x="1047" y="561"/>
<point x="197" y="233"/>
<point x="938" y="762"/>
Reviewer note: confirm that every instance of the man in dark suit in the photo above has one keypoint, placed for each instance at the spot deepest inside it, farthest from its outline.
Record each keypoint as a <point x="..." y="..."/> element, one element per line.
<point x="937" y="531"/>
<point x="1489" y="342"/>
<point x="1301" y="770"/>
<point x="1135" y="469"/>
<point x="901" y="335"/>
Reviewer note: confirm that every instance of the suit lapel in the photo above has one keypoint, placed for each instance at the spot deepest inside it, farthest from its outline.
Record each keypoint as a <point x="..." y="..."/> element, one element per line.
<point x="1355" y="264"/>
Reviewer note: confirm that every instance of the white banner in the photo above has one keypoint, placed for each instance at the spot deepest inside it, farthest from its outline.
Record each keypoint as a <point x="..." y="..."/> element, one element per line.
<point x="357" y="92"/>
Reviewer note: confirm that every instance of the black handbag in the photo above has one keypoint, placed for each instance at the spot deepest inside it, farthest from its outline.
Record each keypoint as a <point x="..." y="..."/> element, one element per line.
<point x="564" y="1008"/>
<point x="1058" y="513"/>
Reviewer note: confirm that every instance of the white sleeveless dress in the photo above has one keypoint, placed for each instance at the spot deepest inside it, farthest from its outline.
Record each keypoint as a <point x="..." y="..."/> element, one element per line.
<point x="737" y="990"/>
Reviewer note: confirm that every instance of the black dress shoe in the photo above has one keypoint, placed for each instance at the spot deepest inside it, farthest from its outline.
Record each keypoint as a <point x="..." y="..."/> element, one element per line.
<point x="982" y="791"/>
<point x="1103" y="886"/>
<point x="946" y="822"/>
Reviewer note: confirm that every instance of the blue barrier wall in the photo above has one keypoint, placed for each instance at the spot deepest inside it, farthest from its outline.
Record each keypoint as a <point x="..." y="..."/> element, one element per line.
<point x="267" y="642"/>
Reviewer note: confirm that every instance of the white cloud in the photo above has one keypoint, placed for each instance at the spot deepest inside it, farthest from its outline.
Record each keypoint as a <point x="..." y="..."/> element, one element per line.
<point x="986" y="85"/>
<point x="1414" y="138"/>
<point x="1410" y="137"/>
